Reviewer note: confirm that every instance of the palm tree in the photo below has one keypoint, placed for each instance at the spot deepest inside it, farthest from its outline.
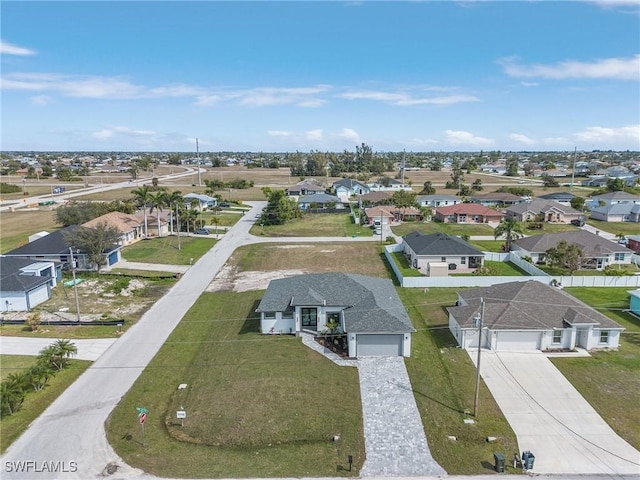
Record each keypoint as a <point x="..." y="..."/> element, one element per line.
<point x="141" y="197"/>
<point x="511" y="229"/>
<point x="172" y="200"/>
<point x="58" y="353"/>
<point x="157" y="200"/>
<point x="11" y="398"/>
<point x="215" y="221"/>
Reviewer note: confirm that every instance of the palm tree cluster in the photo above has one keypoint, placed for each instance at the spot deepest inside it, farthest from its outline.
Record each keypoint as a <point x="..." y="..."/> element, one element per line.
<point x="15" y="387"/>
<point x="183" y="216"/>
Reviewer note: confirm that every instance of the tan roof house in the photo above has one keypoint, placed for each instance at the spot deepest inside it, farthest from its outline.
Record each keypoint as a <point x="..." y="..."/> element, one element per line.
<point x="467" y="213"/>
<point x="129" y="226"/>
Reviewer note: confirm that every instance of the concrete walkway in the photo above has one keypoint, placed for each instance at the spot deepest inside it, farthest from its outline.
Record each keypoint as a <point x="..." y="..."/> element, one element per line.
<point x="88" y="349"/>
<point x="395" y="442"/>
<point x="551" y="419"/>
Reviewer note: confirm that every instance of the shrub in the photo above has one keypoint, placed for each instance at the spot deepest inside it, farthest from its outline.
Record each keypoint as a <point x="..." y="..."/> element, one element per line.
<point x="9" y="188"/>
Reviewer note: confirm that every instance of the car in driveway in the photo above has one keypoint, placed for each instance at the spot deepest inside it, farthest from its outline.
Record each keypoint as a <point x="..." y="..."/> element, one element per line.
<point x="202" y="231"/>
<point x="225" y="204"/>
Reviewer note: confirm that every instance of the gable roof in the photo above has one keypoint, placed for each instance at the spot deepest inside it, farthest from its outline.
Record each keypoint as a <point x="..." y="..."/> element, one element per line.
<point x="370" y="304"/>
<point x="558" y="196"/>
<point x="435" y="197"/>
<point x="592" y="245"/>
<point x="496" y="196"/>
<point x="617" y="196"/>
<point x="540" y="206"/>
<point x="11" y="278"/>
<point x="526" y="305"/>
<point x="319" y="198"/>
<point x="376" y="196"/>
<point x="618" y="209"/>
<point x="54" y="243"/>
<point x="349" y="183"/>
<point x="439" y="244"/>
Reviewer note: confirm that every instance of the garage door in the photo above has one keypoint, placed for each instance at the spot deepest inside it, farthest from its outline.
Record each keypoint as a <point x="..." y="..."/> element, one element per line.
<point x="113" y="257"/>
<point x="379" y="345"/>
<point x="38" y="295"/>
<point x="517" y="341"/>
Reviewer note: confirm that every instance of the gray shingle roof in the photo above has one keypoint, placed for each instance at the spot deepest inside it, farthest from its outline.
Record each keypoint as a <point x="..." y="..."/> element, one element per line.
<point x="592" y="245"/>
<point x="526" y="305"/>
<point x="439" y="244"/>
<point x="541" y="205"/>
<point x="319" y="198"/>
<point x="11" y="280"/>
<point x="54" y="243"/>
<point x="372" y="304"/>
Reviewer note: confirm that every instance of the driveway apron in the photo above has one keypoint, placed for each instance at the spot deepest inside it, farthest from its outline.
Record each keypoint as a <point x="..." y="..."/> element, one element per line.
<point x="551" y="419"/>
<point x="395" y="442"/>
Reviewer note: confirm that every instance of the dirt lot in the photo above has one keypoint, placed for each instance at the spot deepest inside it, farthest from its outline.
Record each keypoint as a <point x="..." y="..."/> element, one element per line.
<point x="254" y="266"/>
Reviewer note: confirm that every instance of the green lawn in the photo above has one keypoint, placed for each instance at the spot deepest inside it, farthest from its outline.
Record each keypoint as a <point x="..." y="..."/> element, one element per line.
<point x="315" y="225"/>
<point x="164" y="250"/>
<point x="488" y="245"/>
<point x="403" y="265"/>
<point x="35" y="402"/>
<point x="550" y="228"/>
<point x="225" y="219"/>
<point x="629" y="269"/>
<point x="457" y="229"/>
<point x="610" y="381"/>
<point x="443" y="380"/>
<point x="14" y="364"/>
<point x="627" y="228"/>
<point x="257" y="406"/>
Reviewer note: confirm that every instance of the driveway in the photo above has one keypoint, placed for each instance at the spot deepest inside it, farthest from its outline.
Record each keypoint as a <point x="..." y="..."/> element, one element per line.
<point x="88" y="349"/>
<point x="551" y="419"/>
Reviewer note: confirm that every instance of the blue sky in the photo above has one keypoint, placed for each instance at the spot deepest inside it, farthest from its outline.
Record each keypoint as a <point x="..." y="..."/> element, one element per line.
<point x="286" y="76"/>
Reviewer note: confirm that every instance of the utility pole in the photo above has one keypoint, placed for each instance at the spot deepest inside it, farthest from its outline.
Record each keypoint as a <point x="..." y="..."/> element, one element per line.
<point x="479" y="318"/>
<point x="573" y="170"/>
<point x="198" y="160"/>
<point x="403" y="165"/>
<point x="75" y="286"/>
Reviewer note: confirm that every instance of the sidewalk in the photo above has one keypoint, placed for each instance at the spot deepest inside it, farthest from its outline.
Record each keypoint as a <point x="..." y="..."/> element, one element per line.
<point x="88" y="349"/>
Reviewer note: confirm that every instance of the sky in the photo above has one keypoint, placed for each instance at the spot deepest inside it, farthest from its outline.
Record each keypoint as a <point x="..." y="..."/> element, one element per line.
<point x="303" y="76"/>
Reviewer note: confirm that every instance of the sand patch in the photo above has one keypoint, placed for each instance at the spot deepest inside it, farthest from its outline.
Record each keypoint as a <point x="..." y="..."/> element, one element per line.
<point x="229" y="279"/>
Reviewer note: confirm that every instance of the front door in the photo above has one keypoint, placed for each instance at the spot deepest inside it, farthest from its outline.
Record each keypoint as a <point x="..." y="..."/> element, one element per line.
<point x="309" y="317"/>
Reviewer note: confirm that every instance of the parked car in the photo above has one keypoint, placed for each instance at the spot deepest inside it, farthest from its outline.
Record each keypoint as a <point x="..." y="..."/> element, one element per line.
<point x="225" y="204"/>
<point x="578" y="222"/>
<point x="202" y="231"/>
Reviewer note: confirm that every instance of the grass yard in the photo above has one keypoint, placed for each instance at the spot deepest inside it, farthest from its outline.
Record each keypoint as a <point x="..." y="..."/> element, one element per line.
<point x="403" y="265"/>
<point x="506" y="269"/>
<point x="362" y="258"/>
<point x="225" y="219"/>
<point x="626" y="228"/>
<point x="164" y="250"/>
<point x="315" y="225"/>
<point x="550" y="228"/>
<point x="443" y="380"/>
<point x="14" y="364"/>
<point x="629" y="269"/>
<point x="257" y="406"/>
<point x="610" y="381"/>
<point x="488" y="245"/>
<point x="457" y="229"/>
<point x="35" y="402"/>
<point x="15" y="227"/>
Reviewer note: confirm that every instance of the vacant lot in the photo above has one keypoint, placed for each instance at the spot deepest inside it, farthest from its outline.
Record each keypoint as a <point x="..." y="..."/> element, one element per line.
<point x="457" y="229"/>
<point x="15" y="227"/>
<point x="257" y="406"/>
<point x="315" y="225"/>
<point x="164" y="250"/>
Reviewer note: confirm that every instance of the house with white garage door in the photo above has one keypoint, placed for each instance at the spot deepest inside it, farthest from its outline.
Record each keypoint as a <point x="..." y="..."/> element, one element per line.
<point x="529" y="315"/>
<point x="25" y="283"/>
<point x="367" y="310"/>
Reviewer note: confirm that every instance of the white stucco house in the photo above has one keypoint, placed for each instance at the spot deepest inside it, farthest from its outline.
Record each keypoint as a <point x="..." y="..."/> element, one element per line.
<point x="25" y="283"/>
<point x="527" y="316"/>
<point x="368" y="310"/>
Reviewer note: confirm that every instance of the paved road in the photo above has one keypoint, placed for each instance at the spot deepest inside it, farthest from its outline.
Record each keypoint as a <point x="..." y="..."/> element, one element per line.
<point x="551" y="419"/>
<point x="88" y="349"/>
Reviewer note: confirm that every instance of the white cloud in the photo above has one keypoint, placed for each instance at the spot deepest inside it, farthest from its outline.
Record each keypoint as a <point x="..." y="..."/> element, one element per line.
<point x="520" y="138"/>
<point x="614" y="68"/>
<point x="419" y="142"/>
<point x="460" y="137"/>
<point x="349" y="134"/>
<point x="40" y="100"/>
<point x="267" y="96"/>
<point x="529" y="84"/>
<point x="315" y="135"/>
<point x="405" y="99"/>
<point x="607" y="134"/>
<point x="279" y="133"/>
<point x="111" y="131"/>
<point x="10" y="49"/>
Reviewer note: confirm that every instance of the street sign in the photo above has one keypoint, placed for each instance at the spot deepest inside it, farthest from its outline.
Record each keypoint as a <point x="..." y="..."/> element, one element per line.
<point x="143" y="418"/>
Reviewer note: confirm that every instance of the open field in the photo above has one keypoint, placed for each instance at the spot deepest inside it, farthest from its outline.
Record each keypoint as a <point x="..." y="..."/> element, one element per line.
<point x="264" y="398"/>
<point x="36" y="402"/>
<point x="164" y="250"/>
<point x="610" y="380"/>
<point x="15" y="227"/>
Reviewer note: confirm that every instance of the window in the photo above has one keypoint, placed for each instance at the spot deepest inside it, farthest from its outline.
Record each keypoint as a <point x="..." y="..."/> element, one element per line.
<point x="619" y="256"/>
<point x="604" y="336"/>
<point x="557" y="336"/>
<point x="443" y="259"/>
<point x="463" y="260"/>
<point x="269" y="315"/>
<point x="309" y="317"/>
<point x="288" y="314"/>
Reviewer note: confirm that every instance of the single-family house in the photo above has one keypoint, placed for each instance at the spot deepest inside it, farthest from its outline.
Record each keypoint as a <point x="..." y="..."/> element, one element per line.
<point x="199" y="201"/>
<point x="563" y="198"/>
<point x="634" y="302"/>
<point x="598" y="252"/>
<point x="375" y="198"/>
<point x="543" y="210"/>
<point x="26" y="283"/>
<point x="433" y="201"/>
<point x="367" y="310"/>
<point x="55" y="248"/>
<point x="305" y="187"/>
<point x="496" y="199"/>
<point x="380" y="214"/>
<point x="529" y="316"/>
<point x="617" y="212"/>
<point x="388" y="185"/>
<point x="320" y="201"/>
<point x="427" y="253"/>
<point x="467" y="213"/>
<point x="152" y="222"/>
<point x="347" y="187"/>
<point x="613" y="198"/>
<point x="129" y="225"/>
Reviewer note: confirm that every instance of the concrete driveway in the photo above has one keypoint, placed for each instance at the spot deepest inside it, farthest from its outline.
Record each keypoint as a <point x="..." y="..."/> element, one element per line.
<point x="551" y="419"/>
<point x="88" y="349"/>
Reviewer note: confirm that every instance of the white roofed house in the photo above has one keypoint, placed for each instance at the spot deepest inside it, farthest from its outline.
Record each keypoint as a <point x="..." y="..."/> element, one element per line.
<point x="347" y="187"/>
<point x="320" y="201"/>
